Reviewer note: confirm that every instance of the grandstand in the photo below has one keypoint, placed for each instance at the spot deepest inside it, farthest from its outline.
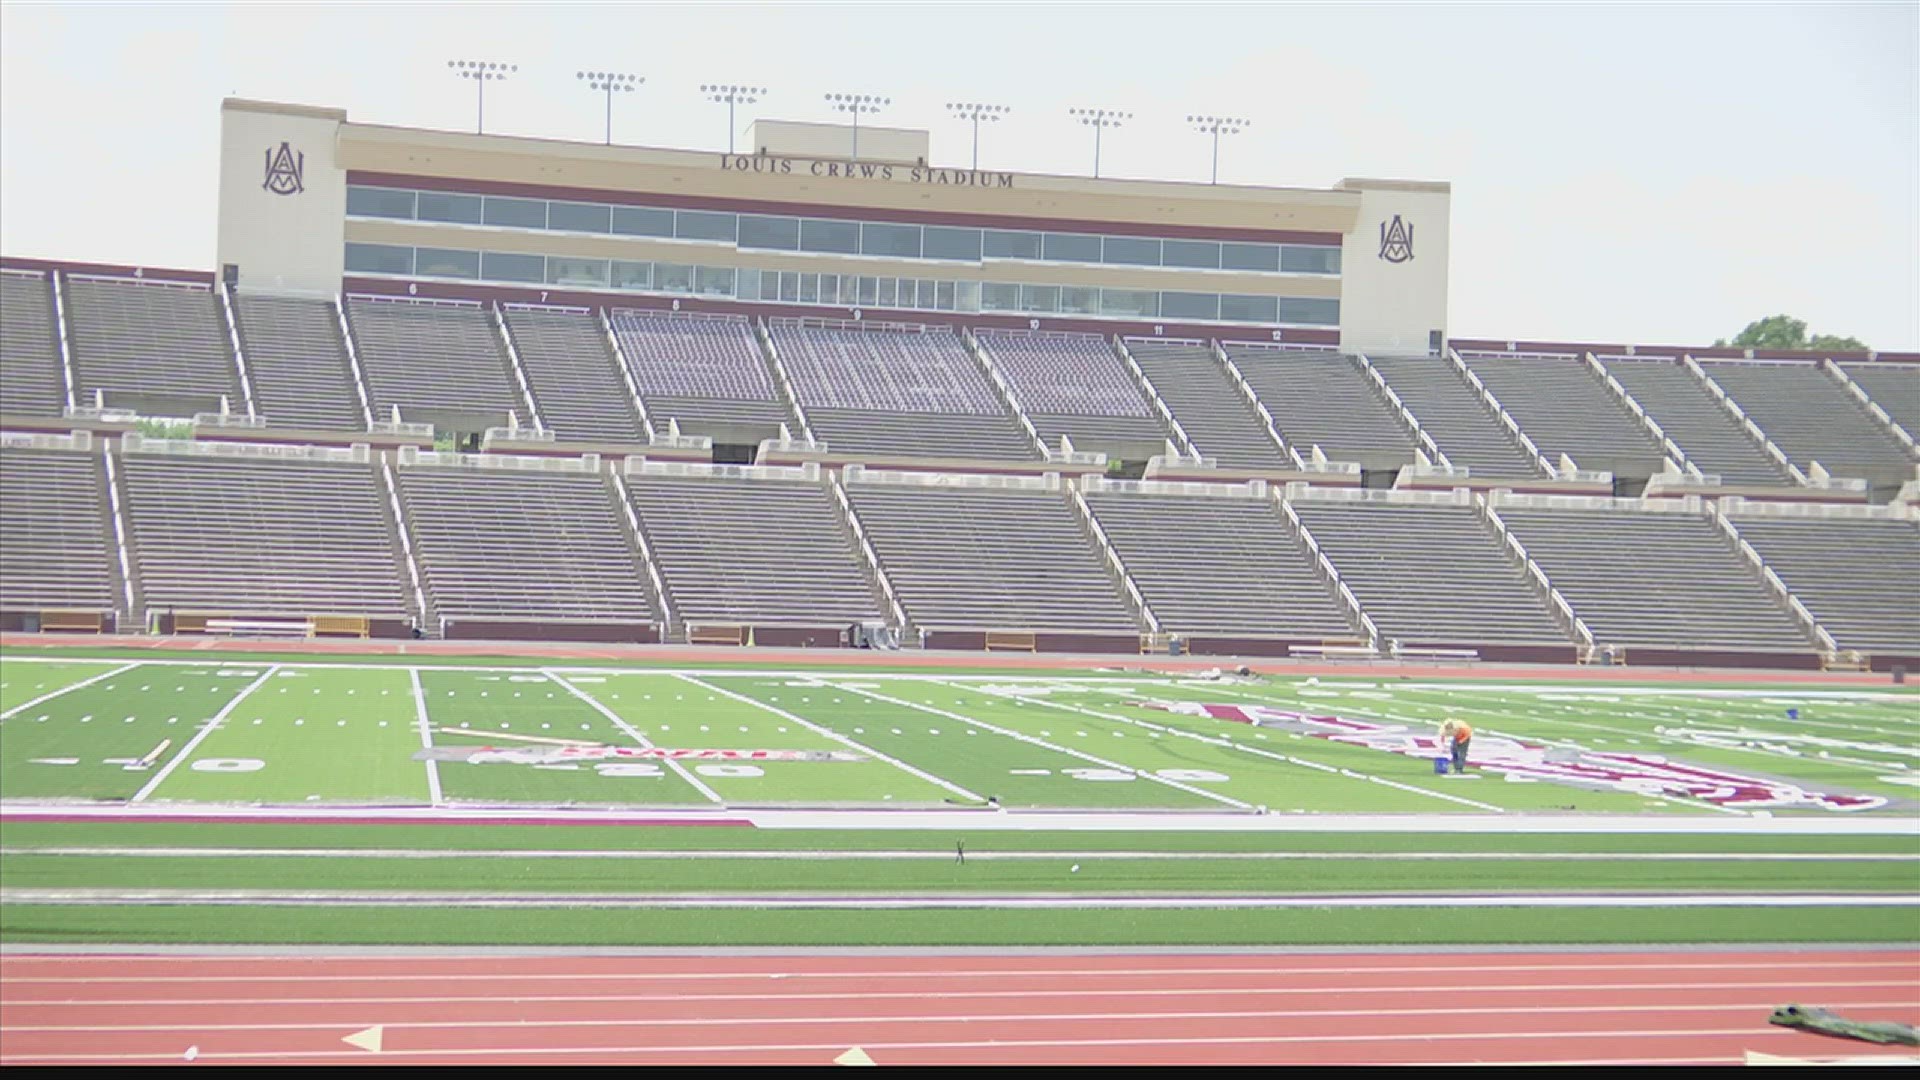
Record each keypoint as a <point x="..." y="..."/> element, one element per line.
<point x="1858" y="576"/>
<point x="157" y="347"/>
<point x="1457" y="417"/>
<point x="705" y="374"/>
<point x="1326" y="400"/>
<point x="1813" y="418"/>
<point x="301" y="375"/>
<point x="55" y="569"/>
<point x="1895" y="388"/>
<point x="760" y="548"/>
<point x="1566" y="407"/>
<point x="1075" y="386"/>
<point x="437" y="362"/>
<point x="31" y="381"/>
<point x="574" y="375"/>
<point x="1712" y="439"/>
<point x="1219" y="423"/>
<point x="513" y="554"/>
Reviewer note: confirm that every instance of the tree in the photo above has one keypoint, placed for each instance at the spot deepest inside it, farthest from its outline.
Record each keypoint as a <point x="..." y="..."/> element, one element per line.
<point x="1787" y="332"/>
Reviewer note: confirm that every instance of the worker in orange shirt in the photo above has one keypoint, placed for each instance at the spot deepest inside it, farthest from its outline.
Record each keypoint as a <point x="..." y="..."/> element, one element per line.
<point x="1454" y="737"/>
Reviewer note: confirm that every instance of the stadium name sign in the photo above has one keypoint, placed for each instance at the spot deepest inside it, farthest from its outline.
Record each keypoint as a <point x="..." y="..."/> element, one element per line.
<point x="864" y="170"/>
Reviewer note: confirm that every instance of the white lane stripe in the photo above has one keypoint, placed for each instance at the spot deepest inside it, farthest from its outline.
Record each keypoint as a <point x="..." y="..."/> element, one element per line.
<point x="632" y="733"/>
<point x="835" y="736"/>
<point x="200" y="736"/>
<point x="520" y="1023"/>
<point x="908" y="902"/>
<point x="1237" y="745"/>
<point x="510" y="993"/>
<point x="426" y="735"/>
<point x="1109" y="855"/>
<point x="23" y="706"/>
<point x="1057" y="748"/>
<point x="985" y="1042"/>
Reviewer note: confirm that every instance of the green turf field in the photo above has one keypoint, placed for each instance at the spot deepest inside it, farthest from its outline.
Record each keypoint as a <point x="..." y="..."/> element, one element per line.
<point x="295" y="733"/>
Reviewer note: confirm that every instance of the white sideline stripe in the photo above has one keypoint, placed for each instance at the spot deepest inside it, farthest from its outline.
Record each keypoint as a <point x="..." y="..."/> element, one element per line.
<point x="1108" y="855"/>
<point x="509" y="994"/>
<point x="88" y="897"/>
<point x="25" y="705"/>
<point x="1762" y="965"/>
<point x="426" y="735"/>
<point x="634" y="734"/>
<point x="1017" y="736"/>
<point x="972" y="1018"/>
<point x="984" y="1043"/>
<point x="206" y="729"/>
<point x="836" y="736"/>
<point x="1237" y="745"/>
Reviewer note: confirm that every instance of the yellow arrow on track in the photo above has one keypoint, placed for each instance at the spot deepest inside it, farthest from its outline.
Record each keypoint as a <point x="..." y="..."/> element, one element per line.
<point x="855" y="1056"/>
<point x="368" y="1040"/>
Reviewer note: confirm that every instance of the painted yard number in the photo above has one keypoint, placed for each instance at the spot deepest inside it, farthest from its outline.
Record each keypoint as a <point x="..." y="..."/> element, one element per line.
<point x="229" y="764"/>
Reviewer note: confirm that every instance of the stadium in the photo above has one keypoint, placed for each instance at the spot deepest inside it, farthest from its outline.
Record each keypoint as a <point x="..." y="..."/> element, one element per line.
<point x="1041" y="594"/>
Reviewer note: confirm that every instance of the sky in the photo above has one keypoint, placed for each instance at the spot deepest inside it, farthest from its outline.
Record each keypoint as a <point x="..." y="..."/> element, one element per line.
<point x="1654" y="173"/>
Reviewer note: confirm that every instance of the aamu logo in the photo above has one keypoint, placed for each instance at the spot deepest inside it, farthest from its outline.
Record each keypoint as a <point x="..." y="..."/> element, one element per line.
<point x="1396" y="240"/>
<point x="284" y="171"/>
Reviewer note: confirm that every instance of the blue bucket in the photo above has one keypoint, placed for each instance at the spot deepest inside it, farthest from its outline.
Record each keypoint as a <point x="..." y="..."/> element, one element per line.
<point x="1440" y="766"/>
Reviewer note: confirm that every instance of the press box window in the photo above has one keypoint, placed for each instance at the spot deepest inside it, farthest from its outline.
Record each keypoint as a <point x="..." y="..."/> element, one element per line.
<point x="379" y="202"/>
<point x="579" y="217"/>
<point x="455" y="209"/>
<point x="1310" y="260"/>
<point x="937" y="242"/>
<point x="562" y="271"/>
<point x="516" y="213"/>
<point x="997" y="244"/>
<point x="640" y="221"/>
<point x="703" y="225"/>
<point x="837" y="237"/>
<point x="901" y="241"/>
<point x="379" y="259"/>
<point x="769" y="233"/>
<point x="504" y="266"/>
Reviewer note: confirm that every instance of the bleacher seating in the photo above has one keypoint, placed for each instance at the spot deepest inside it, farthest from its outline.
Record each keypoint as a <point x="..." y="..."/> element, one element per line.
<point x="1859" y="577"/>
<point x="699" y="370"/>
<point x="1074" y="385"/>
<point x="435" y="361"/>
<point x="963" y="558"/>
<point x="1893" y="387"/>
<point x="1811" y="417"/>
<point x="1219" y="565"/>
<point x="259" y="536"/>
<point x="1324" y="399"/>
<point x="1566" y="409"/>
<point x="521" y="546"/>
<point x="301" y="377"/>
<point x="572" y="372"/>
<point x="753" y="551"/>
<point x="30" y="380"/>
<point x="1455" y="417"/>
<point x="1696" y="421"/>
<point x="160" y="348"/>
<point x="1429" y="572"/>
<point x="1207" y="405"/>
<point x="897" y="390"/>
<point x="1656" y="579"/>
<point x="54" y="532"/>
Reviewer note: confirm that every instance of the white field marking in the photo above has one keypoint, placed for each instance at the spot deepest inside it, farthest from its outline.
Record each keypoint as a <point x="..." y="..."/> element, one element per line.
<point x="984" y="1042"/>
<point x="426" y="735"/>
<point x="1274" y="754"/>
<point x="1110" y="855"/>
<point x="1019" y="737"/>
<point x="23" y="706"/>
<point x="206" y="729"/>
<point x="633" y="733"/>
<point x="836" y="737"/>
<point x="991" y="1018"/>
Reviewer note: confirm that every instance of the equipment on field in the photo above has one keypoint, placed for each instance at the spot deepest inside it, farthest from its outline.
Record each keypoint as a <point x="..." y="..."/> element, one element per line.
<point x="1822" y="1022"/>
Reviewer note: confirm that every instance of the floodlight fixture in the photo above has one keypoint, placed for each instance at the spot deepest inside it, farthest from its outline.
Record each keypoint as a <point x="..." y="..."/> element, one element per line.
<point x="976" y="112"/>
<point x="1099" y="120"/>
<point x="731" y="94"/>
<point x="857" y="104"/>
<point x="610" y="83"/>
<point x="1217" y="126"/>
<point x="481" y="72"/>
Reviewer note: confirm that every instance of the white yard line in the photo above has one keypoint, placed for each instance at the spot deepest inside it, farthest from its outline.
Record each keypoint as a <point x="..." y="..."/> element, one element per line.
<point x="200" y="736"/>
<point x="426" y="735"/>
<point x="1107" y="855"/>
<point x="837" y="737"/>
<point x="25" y="705"/>
<point x="1263" y="752"/>
<point x="1033" y="741"/>
<point x="634" y="734"/>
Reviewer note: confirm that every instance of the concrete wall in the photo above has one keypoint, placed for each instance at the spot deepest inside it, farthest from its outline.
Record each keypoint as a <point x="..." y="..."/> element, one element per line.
<point x="282" y="228"/>
<point x="1394" y="267"/>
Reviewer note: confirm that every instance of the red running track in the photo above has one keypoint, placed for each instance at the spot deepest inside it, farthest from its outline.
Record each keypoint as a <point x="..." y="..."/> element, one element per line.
<point x="1160" y="1009"/>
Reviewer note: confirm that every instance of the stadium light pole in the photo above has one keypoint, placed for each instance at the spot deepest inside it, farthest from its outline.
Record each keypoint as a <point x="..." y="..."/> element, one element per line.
<point x="730" y="95"/>
<point x="976" y="112"/>
<point x="481" y="72"/>
<point x="857" y="104"/>
<point x="1100" y="119"/>
<point x="611" y="82"/>
<point x="1218" y="126"/>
